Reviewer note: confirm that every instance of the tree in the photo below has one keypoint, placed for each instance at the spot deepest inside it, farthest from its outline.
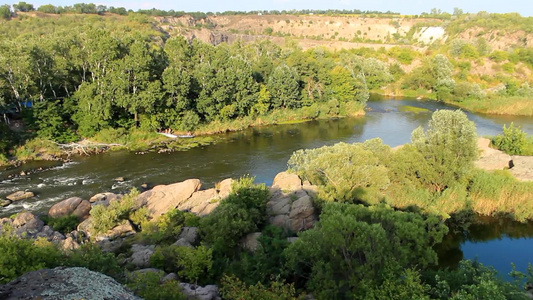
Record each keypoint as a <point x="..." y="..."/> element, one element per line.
<point x="354" y="250"/>
<point x="512" y="141"/>
<point x="5" y="11"/>
<point x="284" y="87"/>
<point x="345" y="172"/>
<point x="448" y="147"/>
<point x="23" y="6"/>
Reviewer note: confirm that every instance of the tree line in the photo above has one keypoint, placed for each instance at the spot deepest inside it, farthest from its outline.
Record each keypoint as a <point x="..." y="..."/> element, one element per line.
<point x="83" y="80"/>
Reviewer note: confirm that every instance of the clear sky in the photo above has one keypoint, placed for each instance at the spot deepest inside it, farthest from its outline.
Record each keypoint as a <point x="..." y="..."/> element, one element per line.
<point x="524" y="7"/>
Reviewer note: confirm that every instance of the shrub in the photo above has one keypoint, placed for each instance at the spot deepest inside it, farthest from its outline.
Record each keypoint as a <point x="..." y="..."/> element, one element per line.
<point x="18" y="256"/>
<point x="189" y="263"/>
<point x="148" y="285"/>
<point x="233" y="288"/>
<point x="105" y="218"/>
<point x="512" y="141"/>
<point x="354" y="249"/>
<point x="165" y="229"/>
<point x="242" y="212"/>
<point x="62" y="224"/>
<point x="90" y="256"/>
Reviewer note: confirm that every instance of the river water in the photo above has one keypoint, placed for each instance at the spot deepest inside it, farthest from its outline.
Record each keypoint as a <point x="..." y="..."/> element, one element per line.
<point x="261" y="152"/>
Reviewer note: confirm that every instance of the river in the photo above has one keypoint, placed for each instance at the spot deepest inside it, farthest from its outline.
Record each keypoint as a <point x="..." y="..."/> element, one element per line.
<point x="261" y="152"/>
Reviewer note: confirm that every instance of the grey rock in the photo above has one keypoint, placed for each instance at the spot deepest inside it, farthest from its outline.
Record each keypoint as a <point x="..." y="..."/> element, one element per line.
<point x="20" y="195"/>
<point x="190" y="235"/>
<point x="65" y="283"/>
<point x="141" y="254"/>
<point x="251" y="242"/>
<point x="27" y="225"/>
<point x="5" y="202"/>
<point x="105" y="198"/>
<point x="169" y="277"/>
<point x="209" y="292"/>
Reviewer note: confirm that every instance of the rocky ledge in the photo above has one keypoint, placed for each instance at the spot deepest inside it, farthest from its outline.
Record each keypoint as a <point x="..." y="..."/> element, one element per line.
<point x="65" y="283"/>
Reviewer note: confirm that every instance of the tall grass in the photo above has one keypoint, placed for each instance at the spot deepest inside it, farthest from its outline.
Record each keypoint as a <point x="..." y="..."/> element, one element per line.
<point x="518" y="106"/>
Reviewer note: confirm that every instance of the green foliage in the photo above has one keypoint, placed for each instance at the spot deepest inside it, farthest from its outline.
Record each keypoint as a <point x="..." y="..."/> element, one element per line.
<point x="5" y="11"/>
<point x="164" y="229"/>
<point x="471" y="280"/>
<point x="242" y="212"/>
<point x="195" y="264"/>
<point x="448" y="148"/>
<point x="354" y="249"/>
<point x="149" y="286"/>
<point x="104" y="218"/>
<point x="90" y="256"/>
<point x="64" y="224"/>
<point x="345" y="172"/>
<point x="233" y="288"/>
<point x="512" y="141"/>
<point x="18" y="256"/>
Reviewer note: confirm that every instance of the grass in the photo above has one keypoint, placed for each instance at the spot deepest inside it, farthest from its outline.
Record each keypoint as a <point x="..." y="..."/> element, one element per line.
<point x="517" y="106"/>
<point x="413" y="109"/>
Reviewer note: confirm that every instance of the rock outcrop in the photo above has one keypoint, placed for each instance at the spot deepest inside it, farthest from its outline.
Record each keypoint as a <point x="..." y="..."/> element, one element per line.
<point x="208" y="292"/>
<point x="71" y="206"/>
<point x="104" y="198"/>
<point x="65" y="283"/>
<point x="290" y="205"/>
<point x="20" y="195"/>
<point x="163" y="198"/>
<point x="140" y="255"/>
<point x="492" y="159"/>
<point x="188" y="237"/>
<point x="185" y="196"/>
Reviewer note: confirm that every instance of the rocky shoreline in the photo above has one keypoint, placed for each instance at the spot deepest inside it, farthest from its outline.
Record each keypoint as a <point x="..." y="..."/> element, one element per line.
<point x="290" y="207"/>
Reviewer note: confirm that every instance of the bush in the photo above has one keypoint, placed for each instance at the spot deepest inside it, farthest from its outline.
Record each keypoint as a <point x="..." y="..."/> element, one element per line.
<point x="148" y="286"/>
<point x="189" y="263"/>
<point x="64" y="224"/>
<point x="165" y="229"/>
<point x="18" y="256"/>
<point x="105" y="218"/>
<point x="512" y="141"/>
<point x="233" y="288"/>
<point x="354" y="249"/>
<point x="90" y="256"/>
<point x="242" y="212"/>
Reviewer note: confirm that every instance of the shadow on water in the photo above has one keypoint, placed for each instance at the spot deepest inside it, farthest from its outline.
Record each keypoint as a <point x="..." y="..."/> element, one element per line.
<point x="497" y="241"/>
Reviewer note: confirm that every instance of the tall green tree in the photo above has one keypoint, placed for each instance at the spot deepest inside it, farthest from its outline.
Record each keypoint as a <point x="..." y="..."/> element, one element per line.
<point x="448" y="147"/>
<point x="284" y="87"/>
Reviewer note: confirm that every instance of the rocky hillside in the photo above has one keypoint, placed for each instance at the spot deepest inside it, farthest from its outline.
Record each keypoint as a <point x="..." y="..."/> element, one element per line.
<point x="342" y="32"/>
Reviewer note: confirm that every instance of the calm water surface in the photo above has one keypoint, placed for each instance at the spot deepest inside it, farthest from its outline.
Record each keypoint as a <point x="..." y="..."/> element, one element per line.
<point x="260" y="152"/>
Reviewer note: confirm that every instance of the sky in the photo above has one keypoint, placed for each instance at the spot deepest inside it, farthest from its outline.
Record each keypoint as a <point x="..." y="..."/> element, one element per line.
<point x="524" y="7"/>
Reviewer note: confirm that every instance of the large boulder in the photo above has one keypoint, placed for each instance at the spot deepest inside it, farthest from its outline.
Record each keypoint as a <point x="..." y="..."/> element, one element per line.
<point x="251" y="241"/>
<point x="27" y="224"/>
<point x="20" y="195"/>
<point x="163" y="198"/>
<point x="65" y="283"/>
<point x="119" y="231"/>
<point x="200" y="202"/>
<point x="104" y="198"/>
<point x="224" y="188"/>
<point x="286" y="181"/>
<point x="290" y="204"/>
<point x="491" y="159"/>
<point x="191" y="291"/>
<point x="522" y="167"/>
<point x="71" y="206"/>
<point x="140" y="255"/>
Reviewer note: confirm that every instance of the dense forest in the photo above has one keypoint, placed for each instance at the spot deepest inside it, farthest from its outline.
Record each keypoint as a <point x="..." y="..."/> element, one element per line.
<point x="102" y="74"/>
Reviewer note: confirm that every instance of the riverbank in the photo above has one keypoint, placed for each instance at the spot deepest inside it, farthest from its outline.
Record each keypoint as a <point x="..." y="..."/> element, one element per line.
<point x="493" y="105"/>
<point x="142" y="142"/>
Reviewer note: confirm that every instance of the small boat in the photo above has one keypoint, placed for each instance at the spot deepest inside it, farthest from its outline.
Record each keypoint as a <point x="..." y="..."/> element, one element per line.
<point x="170" y="135"/>
<point x="173" y="136"/>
